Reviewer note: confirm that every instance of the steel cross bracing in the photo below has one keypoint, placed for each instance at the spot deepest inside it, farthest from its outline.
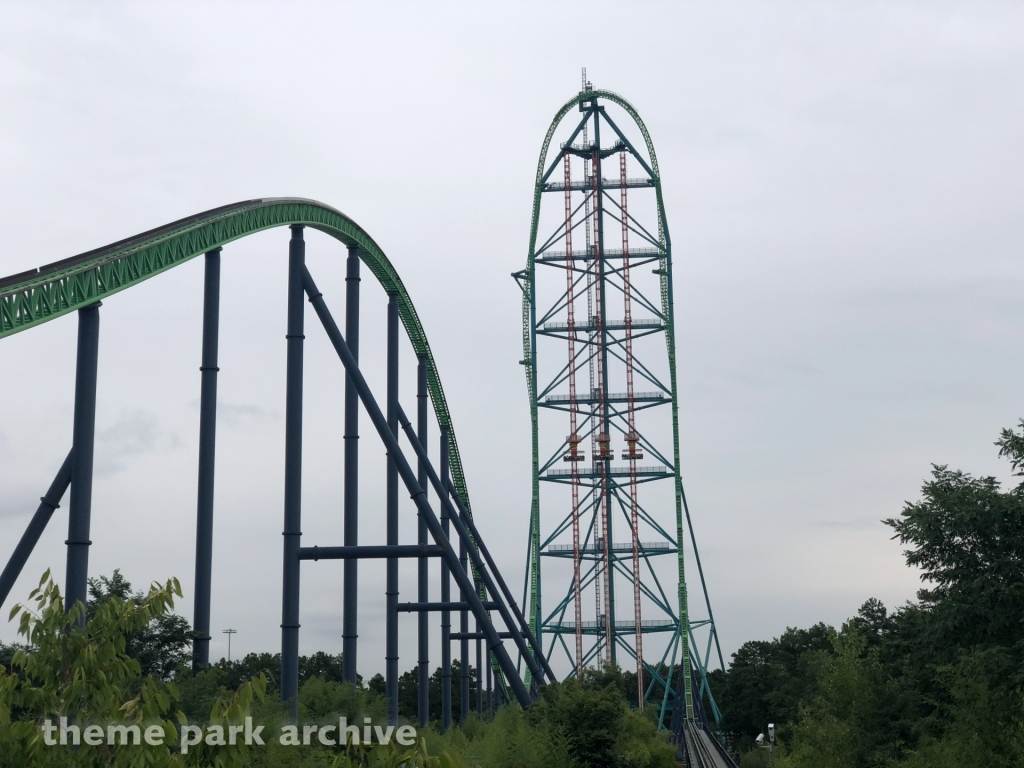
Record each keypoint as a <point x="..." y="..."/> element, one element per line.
<point x="41" y="295"/>
<point x="595" y="324"/>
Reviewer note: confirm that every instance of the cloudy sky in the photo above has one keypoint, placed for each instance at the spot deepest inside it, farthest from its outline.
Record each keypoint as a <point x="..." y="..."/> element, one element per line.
<point x="844" y="187"/>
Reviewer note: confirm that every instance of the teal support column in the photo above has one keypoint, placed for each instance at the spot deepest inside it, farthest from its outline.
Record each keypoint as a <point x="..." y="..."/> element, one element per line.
<point x="207" y="452"/>
<point x="76" y="587"/>
<point x="293" y="476"/>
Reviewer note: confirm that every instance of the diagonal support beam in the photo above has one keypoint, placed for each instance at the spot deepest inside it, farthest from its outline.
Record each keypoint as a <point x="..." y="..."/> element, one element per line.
<point x="472" y="551"/>
<point x="417" y="493"/>
<point x="35" y="529"/>
<point x="467" y="519"/>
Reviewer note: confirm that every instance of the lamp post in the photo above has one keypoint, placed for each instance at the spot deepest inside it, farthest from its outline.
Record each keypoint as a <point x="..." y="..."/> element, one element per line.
<point x="229" y="633"/>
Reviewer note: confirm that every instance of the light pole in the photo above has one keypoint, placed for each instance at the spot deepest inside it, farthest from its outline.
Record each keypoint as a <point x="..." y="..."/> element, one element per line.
<point x="229" y="633"/>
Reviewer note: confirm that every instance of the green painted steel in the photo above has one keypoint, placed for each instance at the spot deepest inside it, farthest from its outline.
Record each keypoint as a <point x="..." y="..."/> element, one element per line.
<point x="530" y="362"/>
<point x="36" y="297"/>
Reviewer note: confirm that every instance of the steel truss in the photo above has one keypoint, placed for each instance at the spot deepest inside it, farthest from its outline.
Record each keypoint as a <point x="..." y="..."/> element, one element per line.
<point x="578" y="339"/>
<point x="31" y="298"/>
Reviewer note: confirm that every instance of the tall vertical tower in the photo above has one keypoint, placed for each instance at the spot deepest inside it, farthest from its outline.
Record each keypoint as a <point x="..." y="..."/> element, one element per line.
<point x="610" y="530"/>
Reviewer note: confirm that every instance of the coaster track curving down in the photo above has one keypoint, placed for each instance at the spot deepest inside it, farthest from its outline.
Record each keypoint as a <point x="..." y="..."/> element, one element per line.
<point x="79" y="284"/>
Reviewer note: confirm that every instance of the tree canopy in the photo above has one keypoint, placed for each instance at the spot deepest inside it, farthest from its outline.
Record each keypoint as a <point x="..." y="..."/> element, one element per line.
<point x="936" y="682"/>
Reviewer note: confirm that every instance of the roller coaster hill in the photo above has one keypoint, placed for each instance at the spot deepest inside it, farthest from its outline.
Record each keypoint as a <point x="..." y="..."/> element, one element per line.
<point x="592" y="299"/>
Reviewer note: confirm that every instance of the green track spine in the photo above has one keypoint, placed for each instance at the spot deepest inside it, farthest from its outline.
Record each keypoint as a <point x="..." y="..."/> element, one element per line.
<point x="58" y="289"/>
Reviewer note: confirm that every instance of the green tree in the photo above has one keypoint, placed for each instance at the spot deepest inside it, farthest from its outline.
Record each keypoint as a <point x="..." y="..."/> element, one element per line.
<point x="967" y="536"/>
<point x="85" y="674"/>
<point x="768" y="681"/>
<point x="162" y="645"/>
<point x="839" y="725"/>
<point x="588" y="718"/>
<point x="939" y="682"/>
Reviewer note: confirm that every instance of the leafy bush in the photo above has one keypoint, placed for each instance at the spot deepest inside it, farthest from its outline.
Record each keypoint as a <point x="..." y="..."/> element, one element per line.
<point x="936" y="683"/>
<point x="84" y="673"/>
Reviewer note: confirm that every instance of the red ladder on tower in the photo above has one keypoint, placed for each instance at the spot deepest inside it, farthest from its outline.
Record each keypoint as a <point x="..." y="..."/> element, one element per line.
<point x="573" y="455"/>
<point x="632" y="452"/>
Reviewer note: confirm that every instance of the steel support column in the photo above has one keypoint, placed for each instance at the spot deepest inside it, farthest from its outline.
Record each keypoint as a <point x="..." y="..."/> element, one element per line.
<point x="408" y="477"/>
<point x="207" y="450"/>
<point x="479" y="669"/>
<point x="446" y="616"/>
<point x="536" y="661"/>
<point x="464" y="703"/>
<point x="84" y="434"/>
<point x="490" y="695"/>
<point x="292" y="477"/>
<point x="391" y="643"/>
<point x="456" y="510"/>
<point x="350" y="601"/>
<point x="493" y="581"/>
<point x="423" y="594"/>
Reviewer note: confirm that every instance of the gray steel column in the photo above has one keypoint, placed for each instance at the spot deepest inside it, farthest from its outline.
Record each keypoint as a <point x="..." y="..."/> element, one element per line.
<point x="423" y="595"/>
<point x="207" y="450"/>
<point x="408" y="475"/>
<point x="446" y="596"/>
<point x="350" y="624"/>
<point x="490" y="698"/>
<point x="83" y="440"/>
<point x="292" y="477"/>
<point x="391" y="649"/>
<point x="464" y="703"/>
<point x="479" y="674"/>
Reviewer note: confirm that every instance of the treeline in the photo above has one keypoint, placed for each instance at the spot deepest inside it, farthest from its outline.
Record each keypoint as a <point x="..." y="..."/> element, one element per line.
<point x="937" y="682"/>
<point x="130" y="664"/>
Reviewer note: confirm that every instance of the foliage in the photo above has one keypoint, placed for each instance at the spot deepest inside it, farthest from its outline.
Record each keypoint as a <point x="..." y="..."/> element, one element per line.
<point x="119" y="669"/>
<point x="160" y="646"/>
<point x="967" y="536"/>
<point x="585" y="723"/>
<point x="939" y="682"/>
<point x="768" y="681"/>
<point x="84" y="673"/>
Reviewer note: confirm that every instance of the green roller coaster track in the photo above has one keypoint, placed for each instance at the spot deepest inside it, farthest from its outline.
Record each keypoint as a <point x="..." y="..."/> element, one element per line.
<point x="40" y="295"/>
<point x="527" y="278"/>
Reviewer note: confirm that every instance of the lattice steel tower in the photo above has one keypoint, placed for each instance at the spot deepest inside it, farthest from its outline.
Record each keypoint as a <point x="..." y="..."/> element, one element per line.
<point x="606" y="539"/>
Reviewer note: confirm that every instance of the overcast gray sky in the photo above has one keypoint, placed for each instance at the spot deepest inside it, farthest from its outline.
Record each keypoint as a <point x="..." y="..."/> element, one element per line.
<point x="843" y="182"/>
